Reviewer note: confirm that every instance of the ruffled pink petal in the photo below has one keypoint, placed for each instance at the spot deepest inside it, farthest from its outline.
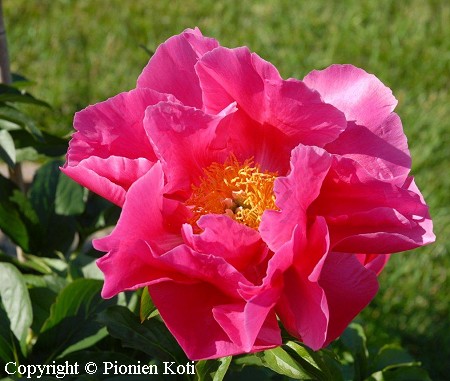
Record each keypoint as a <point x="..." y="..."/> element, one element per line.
<point x="190" y="328"/>
<point x="223" y="237"/>
<point x="323" y="291"/>
<point x="114" y="128"/>
<point x="302" y="307"/>
<point x="109" y="177"/>
<point x="382" y="151"/>
<point x="294" y="193"/>
<point x="147" y="215"/>
<point x="374" y="136"/>
<point x="370" y="216"/>
<point x="110" y="149"/>
<point x="362" y="97"/>
<point x="184" y="139"/>
<point x="130" y="265"/>
<point x="171" y="69"/>
<point x="274" y="115"/>
<point x="235" y="75"/>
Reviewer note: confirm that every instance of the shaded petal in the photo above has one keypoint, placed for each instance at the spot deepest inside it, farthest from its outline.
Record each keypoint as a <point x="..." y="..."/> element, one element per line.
<point x="374" y="262"/>
<point x="171" y="68"/>
<point x="184" y="139"/>
<point x="294" y="193"/>
<point x="302" y="307"/>
<point x="370" y="216"/>
<point x="238" y="244"/>
<point x="348" y="287"/>
<point x="323" y="291"/>
<point x="189" y="328"/>
<point x="109" y="177"/>
<point x="362" y="97"/>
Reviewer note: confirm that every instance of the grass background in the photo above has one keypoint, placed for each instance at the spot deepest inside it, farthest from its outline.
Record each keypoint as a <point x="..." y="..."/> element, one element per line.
<point x="83" y="51"/>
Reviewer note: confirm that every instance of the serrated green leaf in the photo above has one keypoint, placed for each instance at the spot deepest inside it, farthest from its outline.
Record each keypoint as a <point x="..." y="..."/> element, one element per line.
<point x="212" y="370"/>
<point x="151" y="337"/>
<point x="16" y="301"/>
<point x="7" y="148"/>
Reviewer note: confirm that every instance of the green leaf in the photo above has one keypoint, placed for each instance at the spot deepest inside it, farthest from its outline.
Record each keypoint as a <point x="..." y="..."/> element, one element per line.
<point x="321" y="365"/>
<point x="71" y="320"/>
<point x="11" y="221"/>
<point x="9" y="345"/>
<point x="13" y="115"/>
<point x="281" y="362"/>
<point x="70" y="197"/>
<point x="7" y="148"/>
<point x="147" y="308"/>
<point x="12" y="94"/>
<point x="412" y="373"/>
<point x="51" y="146"/>
<point x="16" y="301"/>
<point x="212" y="370"/>
<point x="56" y="232"/>
<point x="354" y="339"/>
<point x="391" y="355"/>
<point x="151" y="337"/>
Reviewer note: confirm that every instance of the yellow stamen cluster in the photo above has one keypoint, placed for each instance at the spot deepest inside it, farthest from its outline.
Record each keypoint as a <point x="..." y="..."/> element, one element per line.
<point x="240" y="191"/>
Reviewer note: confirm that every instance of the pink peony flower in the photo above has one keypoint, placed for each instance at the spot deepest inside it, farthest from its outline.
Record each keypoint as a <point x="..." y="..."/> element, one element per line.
<point x="249" y="199"/>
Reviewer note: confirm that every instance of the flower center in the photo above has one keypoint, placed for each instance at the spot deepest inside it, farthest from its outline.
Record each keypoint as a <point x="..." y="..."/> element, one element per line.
<point x="241" y="191"/>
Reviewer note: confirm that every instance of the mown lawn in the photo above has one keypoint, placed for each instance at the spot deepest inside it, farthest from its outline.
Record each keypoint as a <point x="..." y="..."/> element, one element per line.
<point x="80" y="52"/>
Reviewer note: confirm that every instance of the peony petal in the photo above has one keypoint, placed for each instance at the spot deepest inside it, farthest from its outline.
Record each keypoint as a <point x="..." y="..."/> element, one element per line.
<point x="189" y="329"/>
<point x="348" y="287"/>
<point x="114" y="128"/>
<point x="370" y="216"/>
<point x="299" y="113"/>
<point x="223" y="237"/>
<point x="147" y="215"/>
<point x="228" y="75"/>
<point x="362" y="97"/>
<point x="294" y="193"/>
<point x="171" y="69"/>
<point x="302" y="307"/>
<point x="374" y="136"/>
<point x="184" y="139"/>
<point x="374" y="262"/>
<point x="274" y="115"/>
<point x="110" y="177"/>
<point x="382" y="151"/>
